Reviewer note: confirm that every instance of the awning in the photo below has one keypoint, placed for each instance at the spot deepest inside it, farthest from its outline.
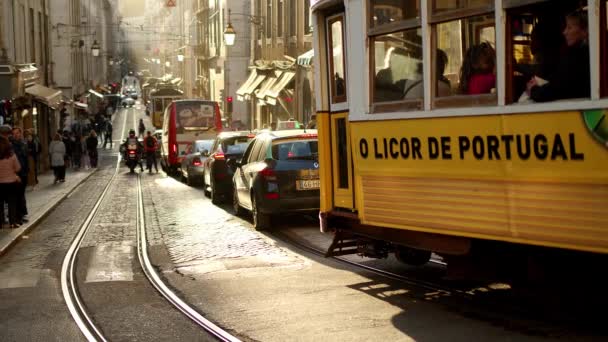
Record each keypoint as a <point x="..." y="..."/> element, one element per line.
<point x="96" y="93"/>
<point x="280" y="84"/>
<point x="268" y="83"/>
<point x="306" y="57"/>
<point x="250" y="85"/>
<point x="51" y="97"/>
<point x="81" y="105"/>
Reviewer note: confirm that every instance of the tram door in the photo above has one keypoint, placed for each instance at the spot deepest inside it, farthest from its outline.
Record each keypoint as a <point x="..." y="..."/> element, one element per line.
<point x="342" y="177"/>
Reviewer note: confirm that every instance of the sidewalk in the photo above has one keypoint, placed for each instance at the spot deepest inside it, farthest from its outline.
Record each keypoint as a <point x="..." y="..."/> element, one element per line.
<point x="41" y="199"/>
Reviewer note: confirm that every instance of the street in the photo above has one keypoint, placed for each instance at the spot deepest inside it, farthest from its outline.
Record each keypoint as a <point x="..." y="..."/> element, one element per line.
<point x="257" y="286"/>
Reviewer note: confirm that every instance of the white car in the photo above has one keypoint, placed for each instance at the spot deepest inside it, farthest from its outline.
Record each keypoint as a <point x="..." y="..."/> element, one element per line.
<point x="127" y="102"/>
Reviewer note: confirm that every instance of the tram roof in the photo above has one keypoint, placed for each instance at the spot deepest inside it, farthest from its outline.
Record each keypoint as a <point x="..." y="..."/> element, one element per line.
<point x="320" y="4"/>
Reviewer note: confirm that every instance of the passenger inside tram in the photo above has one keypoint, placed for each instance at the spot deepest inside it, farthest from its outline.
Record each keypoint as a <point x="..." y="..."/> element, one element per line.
<point x="478" y="70"/>
<point x="571" y="77"/>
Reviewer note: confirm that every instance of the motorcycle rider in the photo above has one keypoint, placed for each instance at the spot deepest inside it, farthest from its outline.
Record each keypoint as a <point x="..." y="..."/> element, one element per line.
<point x="132" y="140"/>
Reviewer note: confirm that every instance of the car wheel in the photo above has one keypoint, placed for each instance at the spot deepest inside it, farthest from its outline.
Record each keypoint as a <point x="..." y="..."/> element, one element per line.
<point x="205" y="191"/>
<point x="189" y="181"/>
<point x="261" y="221"/>
<point x="215" y="197"/>
<point x="236" y="206"/>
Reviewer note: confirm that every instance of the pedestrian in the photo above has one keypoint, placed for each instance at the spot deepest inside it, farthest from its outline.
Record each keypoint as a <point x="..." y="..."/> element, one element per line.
<point x="77" y="152"/>
<point x="108" y="135"/>
<point x="150" y="147"/>
<point x="20" y="150"/>
<point x="57" y="153"/>
<point x="34" y="149"/>
<point x="84" y="161"/>
<point x="141" y="128"/>
<point x="68" y="150"/>
<point x="92" y="143"/>
<point x="9" y="180"/>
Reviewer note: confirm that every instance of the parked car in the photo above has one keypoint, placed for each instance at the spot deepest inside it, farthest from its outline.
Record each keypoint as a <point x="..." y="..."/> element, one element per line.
<point x="192" y="162"/>
<point x="219" y="167"/>
<point x="279" y="173"/>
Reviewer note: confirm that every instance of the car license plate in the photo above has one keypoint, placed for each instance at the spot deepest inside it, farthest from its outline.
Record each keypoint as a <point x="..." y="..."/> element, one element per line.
<point x="308" y="184"/>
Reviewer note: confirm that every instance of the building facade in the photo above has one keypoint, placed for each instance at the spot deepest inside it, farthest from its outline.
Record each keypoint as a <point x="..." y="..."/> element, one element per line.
<point x="279" y="84"/>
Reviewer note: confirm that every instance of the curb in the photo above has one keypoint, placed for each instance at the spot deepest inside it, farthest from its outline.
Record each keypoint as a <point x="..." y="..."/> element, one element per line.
<point x="12" y="239"/>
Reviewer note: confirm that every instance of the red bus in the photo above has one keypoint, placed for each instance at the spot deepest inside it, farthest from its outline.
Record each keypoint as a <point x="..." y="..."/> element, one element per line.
<point x="185" y="121"/>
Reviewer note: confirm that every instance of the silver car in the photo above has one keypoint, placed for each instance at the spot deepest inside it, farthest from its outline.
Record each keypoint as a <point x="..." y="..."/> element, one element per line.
<point x="192" y="163"/>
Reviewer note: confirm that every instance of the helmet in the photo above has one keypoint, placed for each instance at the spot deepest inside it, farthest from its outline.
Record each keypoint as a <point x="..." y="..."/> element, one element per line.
<point x="131" y="132"/>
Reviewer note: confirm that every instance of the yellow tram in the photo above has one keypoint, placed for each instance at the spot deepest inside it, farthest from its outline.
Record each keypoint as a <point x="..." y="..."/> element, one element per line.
<point x="160" y="98"/>
<point x="462" y="127"/>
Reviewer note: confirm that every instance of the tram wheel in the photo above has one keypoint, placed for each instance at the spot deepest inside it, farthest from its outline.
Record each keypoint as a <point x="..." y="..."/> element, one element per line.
<point x="412" y="256"/>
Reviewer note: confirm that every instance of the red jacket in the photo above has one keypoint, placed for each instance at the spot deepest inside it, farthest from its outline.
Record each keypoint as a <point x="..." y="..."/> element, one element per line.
<point x="154" y="145"/>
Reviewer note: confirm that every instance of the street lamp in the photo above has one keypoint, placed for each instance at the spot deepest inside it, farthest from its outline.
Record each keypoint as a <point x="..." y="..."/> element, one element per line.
<point x="95" y="49"/>
<point x="180" y="58"/>
<point x="168" y="64"/>
<point x="229" y="32"/>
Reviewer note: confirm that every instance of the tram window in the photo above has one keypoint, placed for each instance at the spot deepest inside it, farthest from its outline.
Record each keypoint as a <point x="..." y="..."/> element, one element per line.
<point x="158" y="105"/>
<point x="398" y="66"/>
<point x="337" y="64"/>
<point x="442" y="10"/>
<point x="465" y="62"/>
<point x="387" y="12"/>
<point x="342" y="143"/>
<point x="396" y="54"/>
<point x="547" y="52"/>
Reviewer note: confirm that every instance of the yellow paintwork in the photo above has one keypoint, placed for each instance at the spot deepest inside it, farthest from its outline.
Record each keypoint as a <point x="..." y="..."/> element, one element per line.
<point x="558" y="202"/>
<point x="325" y="173"/>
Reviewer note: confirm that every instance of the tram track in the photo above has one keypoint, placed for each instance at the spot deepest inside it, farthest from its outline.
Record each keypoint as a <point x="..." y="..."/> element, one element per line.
<point x="81" y="314"/>
<point x="386" y="274"/>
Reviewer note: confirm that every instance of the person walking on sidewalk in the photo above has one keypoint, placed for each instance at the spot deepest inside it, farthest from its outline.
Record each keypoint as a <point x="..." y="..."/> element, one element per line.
<point x="150" y="147"/>
<point x="34" y="149"/>
<point x="84" y="162"/>
<point x="108" y="135"/>
<point x="57" y="153"/>
<point x="20" y="150"/>
<point x="141" y="128"/>
<point x="9" y="180"/>
<point x="92" y="143"/>
<point x="77" y="152"/>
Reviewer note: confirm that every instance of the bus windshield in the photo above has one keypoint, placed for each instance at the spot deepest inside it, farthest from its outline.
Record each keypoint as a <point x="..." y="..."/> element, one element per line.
<point x="195" y="115"/>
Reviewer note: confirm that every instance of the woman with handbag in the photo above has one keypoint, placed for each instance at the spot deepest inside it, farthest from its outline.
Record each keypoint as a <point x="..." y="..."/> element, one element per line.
<point x="57" y="152"/>
<point x="9" y="180"/>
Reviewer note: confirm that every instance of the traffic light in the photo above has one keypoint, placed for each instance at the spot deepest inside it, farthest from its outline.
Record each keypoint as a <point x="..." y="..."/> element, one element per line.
<point x="229" y="104"/>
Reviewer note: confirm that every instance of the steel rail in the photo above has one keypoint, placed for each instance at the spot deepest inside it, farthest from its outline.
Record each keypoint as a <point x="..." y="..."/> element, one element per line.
<point x="69" y="288"/>
<point x="398" y="277"/>
<point x="161" y="287"/>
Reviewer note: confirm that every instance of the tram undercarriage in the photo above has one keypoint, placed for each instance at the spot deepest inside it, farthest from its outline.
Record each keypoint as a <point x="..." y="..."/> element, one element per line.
<point x="465" y="258"/>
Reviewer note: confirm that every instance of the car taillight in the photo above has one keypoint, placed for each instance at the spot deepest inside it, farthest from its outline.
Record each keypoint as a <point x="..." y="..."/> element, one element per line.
<point x="196" y="162"/>
<point x="131" y="152"/>
<point x="219" y="156"/>
<point x="272" y="195"/>
<point x="268" y="174"/>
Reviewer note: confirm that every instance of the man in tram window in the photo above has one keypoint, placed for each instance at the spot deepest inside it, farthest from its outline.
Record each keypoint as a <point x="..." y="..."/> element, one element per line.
<point x="571" y="78"/>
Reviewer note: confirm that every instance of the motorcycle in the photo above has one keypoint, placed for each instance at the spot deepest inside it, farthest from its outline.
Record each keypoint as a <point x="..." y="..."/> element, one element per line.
<point x="132" y="157"/>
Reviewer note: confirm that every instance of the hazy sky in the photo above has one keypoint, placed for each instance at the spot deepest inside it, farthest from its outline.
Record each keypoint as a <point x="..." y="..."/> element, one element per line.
<point x="131" y="8"/>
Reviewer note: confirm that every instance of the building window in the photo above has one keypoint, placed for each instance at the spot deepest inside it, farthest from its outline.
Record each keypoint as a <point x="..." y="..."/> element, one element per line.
<point x="280" y="15"/>
<point x="307" y="23"/>
<point x="337" y="59"/>
<point x="547" y="52"/>
<point x="293" y="15"/>
<point x="32" y="24"/>
<point x="269" y="18"/>
<point x="396" y="51"/>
